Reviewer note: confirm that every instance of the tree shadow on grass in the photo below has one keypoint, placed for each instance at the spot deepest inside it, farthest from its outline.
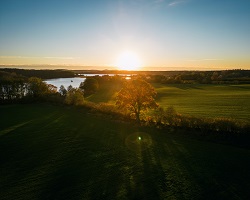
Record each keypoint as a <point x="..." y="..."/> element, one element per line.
<point x="139" y="169"/>
<point x="163" y="176"/>
<point x="91" y="161"/>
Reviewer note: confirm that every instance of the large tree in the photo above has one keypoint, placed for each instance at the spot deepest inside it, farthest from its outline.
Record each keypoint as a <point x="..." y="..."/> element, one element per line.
<point x="136" y="95"/>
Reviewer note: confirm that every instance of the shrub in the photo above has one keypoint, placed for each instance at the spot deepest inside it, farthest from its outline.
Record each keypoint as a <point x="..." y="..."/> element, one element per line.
<point x="169" y="117"/>
<point x="74" y="97"/>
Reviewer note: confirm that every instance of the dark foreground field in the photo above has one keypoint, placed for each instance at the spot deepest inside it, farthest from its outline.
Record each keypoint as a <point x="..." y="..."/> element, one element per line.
<point x="52" y="152"/>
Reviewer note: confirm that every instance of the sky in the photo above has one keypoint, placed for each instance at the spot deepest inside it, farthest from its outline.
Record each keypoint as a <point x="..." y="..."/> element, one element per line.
<point x="160" y="34"/>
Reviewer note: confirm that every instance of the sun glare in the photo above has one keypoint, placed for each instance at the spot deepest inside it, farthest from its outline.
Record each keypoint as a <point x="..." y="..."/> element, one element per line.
<point x="128" y="61"/>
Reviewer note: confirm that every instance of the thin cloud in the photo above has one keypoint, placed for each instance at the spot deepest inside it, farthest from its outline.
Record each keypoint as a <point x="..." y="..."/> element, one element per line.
<point x="175" y="3"/>
<point x="205" y="59"/>
<point x="15" y="57"/>
<point x="170" y="3"/>
<point x="159" y="1"/>
<point x="61" y="58"/>
<point x="26" y="57"/>
<point x="212" y="59"/>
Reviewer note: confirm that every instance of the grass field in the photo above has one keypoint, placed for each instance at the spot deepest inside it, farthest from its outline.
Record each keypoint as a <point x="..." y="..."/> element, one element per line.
<point x="229" y="101"/>
<point x="52" y="152"/>
<point x="106" y="93"/>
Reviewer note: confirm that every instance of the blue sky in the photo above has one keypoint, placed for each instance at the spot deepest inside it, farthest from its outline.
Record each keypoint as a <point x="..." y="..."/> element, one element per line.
<point x="164" y="34"/>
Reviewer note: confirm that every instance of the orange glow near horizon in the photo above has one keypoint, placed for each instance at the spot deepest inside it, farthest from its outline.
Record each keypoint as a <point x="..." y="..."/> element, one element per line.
<point x="127" y="60"/>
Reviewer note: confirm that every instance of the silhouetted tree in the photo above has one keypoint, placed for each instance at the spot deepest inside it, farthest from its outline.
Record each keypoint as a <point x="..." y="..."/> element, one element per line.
<point x="62" y="91"/>
<point x="70" y="87"/>
<point x="136" y="95"/>
<point x="12" y="86"/>
<point x="89" y="86"/>
<point x="43" y="74"/>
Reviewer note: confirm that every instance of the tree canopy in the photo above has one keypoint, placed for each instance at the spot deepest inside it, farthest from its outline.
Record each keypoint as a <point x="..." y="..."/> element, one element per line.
<point x="89" y="86"/>
<point x="74" y="97"/>
<point x="136" y="95"/>
<point x="37" y="88"/>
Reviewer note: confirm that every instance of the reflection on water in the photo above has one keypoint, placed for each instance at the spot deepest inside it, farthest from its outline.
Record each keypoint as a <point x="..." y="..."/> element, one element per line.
<point x="75" y="82"/>
<point x="138" y="141"/>
<point x="91" y="75"/>
<point x="66" y="82"/>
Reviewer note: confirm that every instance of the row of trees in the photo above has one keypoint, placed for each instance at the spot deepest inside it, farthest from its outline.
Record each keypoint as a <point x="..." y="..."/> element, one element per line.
<point x="43" y="74"/>
<point x="204" y="77"/>
<point x="14" y="88"/>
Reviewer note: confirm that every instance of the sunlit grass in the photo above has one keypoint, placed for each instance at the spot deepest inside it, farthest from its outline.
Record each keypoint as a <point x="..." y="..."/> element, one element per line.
<point x="106" y="93"/>
<point x="230" y="101"/>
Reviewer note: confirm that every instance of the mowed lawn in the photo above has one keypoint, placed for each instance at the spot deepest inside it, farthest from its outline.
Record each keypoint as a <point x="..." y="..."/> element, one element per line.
<point x="53" y="152"/>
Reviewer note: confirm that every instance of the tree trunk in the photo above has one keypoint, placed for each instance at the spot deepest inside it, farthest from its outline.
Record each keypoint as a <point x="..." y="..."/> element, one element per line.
<point x="137" y="114"/>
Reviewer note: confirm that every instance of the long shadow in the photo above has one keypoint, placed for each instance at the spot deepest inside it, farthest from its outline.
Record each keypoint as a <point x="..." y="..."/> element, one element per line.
<point x="162" y="173"/>
<point x="77" y="160"/>
<point x="88" y="167"/>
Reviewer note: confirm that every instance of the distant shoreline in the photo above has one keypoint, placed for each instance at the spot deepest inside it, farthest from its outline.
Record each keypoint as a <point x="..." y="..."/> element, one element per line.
<point x="111" y="69"/>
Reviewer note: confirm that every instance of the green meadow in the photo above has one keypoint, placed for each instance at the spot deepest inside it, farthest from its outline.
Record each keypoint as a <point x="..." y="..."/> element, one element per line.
<point x="57" y="152"/>
<point x="229" y="101"/>
<point x="200" y="100"/>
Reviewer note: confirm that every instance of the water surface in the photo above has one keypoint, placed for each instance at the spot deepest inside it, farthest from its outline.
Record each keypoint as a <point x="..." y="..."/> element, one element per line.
<point x="66" y="82"/>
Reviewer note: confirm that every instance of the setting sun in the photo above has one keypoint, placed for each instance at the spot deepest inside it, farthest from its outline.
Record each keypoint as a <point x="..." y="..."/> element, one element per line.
<point x="128" y="61"/>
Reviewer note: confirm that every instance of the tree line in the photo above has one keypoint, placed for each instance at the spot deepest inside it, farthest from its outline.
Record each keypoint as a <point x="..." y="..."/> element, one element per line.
<point x="201" y="77"/>
<point x="43" y="74"/>
<point x="18" y="88"/>
<point x="14" y="88"/>
<point x="236" y="76"/>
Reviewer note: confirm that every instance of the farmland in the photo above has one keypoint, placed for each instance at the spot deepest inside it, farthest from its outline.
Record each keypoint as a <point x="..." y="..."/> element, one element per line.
<point x="229" y="101"/>
<point x="200" y="100"/>
<point x="57" y="152"/>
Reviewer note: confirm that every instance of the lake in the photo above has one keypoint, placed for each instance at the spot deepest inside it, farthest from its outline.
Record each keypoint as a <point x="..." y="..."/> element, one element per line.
<point x="66" y="82"/>
<point x="75" y="82"/>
